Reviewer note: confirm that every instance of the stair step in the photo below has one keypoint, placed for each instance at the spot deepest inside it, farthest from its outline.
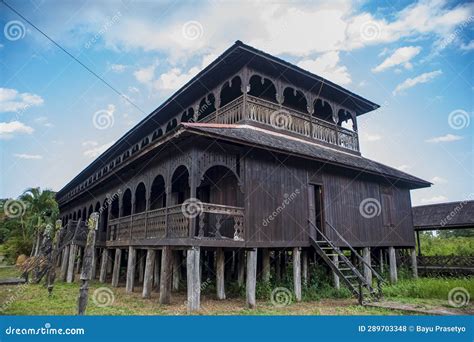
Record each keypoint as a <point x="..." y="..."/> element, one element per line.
<point x="345" y="269"/>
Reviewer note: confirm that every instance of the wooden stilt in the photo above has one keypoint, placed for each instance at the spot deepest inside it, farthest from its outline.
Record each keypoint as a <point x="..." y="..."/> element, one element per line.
<point x="381" y="260"/>
<point x="166" y="275"/>
<point x="266" y="265"/>
<point x="71" y="262"/>
<point x="297" y="273"/>
<point x="95" y="254"/>
<point x="103" y="266"/>
<point x="148" y="276"/>
<point x="414" y="266"/>
<point x="116" y="270"/>
<point x="220" y="273"/>
<point x="64" y="263"/>
<point x="393" y="265"/>
<point x="251" y="277"/>
<point x="241" y="268"/>
<point x="278" y="265"/>
<point x="193" y="260"/>
<point x="78" y="260"/>
<point x="141" y="257"/>
<point x="156" y="271"/>
<point x="176" y="270"/>
<point x="132" y="260"/>
<point x="367" y="259"/>
<point x="304" y="267"/>
<point x="335" y="277"/>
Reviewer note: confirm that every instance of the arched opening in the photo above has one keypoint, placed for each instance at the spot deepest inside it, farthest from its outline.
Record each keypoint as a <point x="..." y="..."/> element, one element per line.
<point x="158" y="193"/>
<point x="187" y="115"/>
<point x="206" y="106"/>
<point x="220" y="186"/>
<point x="295" y="99"/>
<point x="345" y="120"/>
<point x="179" y="185"/>
<point x="114" y="209"/>
<point x="323" y="110"/>
<point x="74" y="217"/>
<point x="104" y="219"/>
<point x="171" y="125"/>
<point x="97" y="207"/>
<point x="156" y="134"/>
<point x="140" y="198"/>
<point x="262" y="88"/>
<point x="127" y="203"/>
<point x="84" y="214"/>
<point x="231" y="91"/>
<point x="91" y="210"/>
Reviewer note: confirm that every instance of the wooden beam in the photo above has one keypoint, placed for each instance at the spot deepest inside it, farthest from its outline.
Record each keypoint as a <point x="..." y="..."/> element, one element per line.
<point x="141" y="256"/>
<point x="70" y="266"/>
<point x="156" y="270"/>
<point x="116" y="271"/>
<point x="367" y="259"/>
<point x="304" y="267"/>
<point x="103" y="266"/>
<point x="251" y="277"/>
<point x="393" y="265"/>
<point x="78" y="259"/>
<point x="266" y="265"/>
<point x="240" y="267"/>
<point x="64" y="263"/>
<point x="176" y="270"/>
<point x="335" y="277"/>
<point x="220" y="276"/>
<point x="148" y="276"/>
<point x="414" y="266"/>
<point x="297" y="273"/>
<point x="166" y="275"/>
<point x="132" y="261"/>
<point x="193" y="259"/>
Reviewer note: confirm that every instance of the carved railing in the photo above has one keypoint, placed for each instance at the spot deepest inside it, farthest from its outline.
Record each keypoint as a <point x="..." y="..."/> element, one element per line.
<point x="286" y="119"/>
<point x="216" y="221"/>
<point x="221" y="221"/>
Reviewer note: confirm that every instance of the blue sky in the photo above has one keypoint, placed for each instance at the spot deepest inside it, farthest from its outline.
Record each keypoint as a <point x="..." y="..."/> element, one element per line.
<point x="415" y="59"/>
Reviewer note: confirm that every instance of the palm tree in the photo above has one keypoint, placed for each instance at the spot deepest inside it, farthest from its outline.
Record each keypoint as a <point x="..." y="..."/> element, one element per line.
<point x="42" y="209"/>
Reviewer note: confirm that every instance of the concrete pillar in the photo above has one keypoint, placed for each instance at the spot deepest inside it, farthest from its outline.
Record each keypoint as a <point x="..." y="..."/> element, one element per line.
<point x="148" y="276"/>
<point x="156" y="271"/>
<point x="70" y="266"/>
<point x="392" y="259"/>
<point x="304" y="267"/>
<point x="176" y="270"/>
<point x="367" y="259"/>
<point x="241" y="268"/>
<point x="193" y="279"/>
<point x="64" y="263"/>
<point x="297" y="273"/>
<point x="335" y="277"/>
<point x="266" y="265"/>
<point x="251" y="277"/>
<point x="414" y="266"/>
<point x="132" y="261"/>
<point x="103" y="266"/>
<point x="166" y="275"/>
<point x="220" y="276"/>
<point x="116" y="270"/>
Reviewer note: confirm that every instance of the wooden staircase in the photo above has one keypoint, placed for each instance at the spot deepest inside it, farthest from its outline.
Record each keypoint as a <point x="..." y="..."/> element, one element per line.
<point x="345" y="269"/>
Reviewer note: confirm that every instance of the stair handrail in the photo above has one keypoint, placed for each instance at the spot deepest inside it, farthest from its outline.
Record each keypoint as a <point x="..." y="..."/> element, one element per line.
<point x="374" y="272"/>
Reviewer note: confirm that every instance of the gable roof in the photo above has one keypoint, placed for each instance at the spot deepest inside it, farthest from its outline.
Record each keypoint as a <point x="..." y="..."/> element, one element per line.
<point x="262" y="138"/>
<point x="452" y="215"/>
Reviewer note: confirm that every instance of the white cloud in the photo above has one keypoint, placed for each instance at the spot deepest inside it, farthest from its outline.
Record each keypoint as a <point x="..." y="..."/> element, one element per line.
<point x="404" y="167"/>
<point x="13" y="101"/>
<point x="9" y="129"/>
<point x="411" y="82"/>
<point x="145" y="75"/>
<point x="88" y="143"/>
<point x="175" y="78"/>
<point x="327" y="66"/>
<point x="43" y="120"/>
<point x="118" y="68"/>
<point x="28" y="156"/>
<point x="468" y="46"/>
<point x="445" y="138"/>
<point x="438" y="180"/>
<point x="370" y="137"/>
<point x="434" y="199"/>
<point x="401" y="56"/>
<point x="97" y="150"/>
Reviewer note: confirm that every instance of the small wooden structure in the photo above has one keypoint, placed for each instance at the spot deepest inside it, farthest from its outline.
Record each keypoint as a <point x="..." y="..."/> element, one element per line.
<point x="251" y="163"/>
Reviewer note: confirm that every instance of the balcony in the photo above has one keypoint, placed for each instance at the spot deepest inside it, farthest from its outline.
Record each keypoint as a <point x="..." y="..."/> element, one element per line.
<point x="213" y="221"/>
<point x="267" y="113"/>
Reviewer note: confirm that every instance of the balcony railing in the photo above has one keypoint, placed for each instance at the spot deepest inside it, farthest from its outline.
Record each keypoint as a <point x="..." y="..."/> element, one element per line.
<point x="214" y="221"/>
<point x="268" y="113"/>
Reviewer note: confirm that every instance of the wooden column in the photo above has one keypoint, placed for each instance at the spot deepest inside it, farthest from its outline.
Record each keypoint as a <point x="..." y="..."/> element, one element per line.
<point x="266" y="265"/>
<point x="70" y="266"/>
<point x="176" y="270"/>
<point x="251" y="277"/>
<point x="141" y="265"/>
<point x="414" y="266"/>
<point x="165" y="277"/>
<point x="193" y="260"/>
<point x="79" y="259"/>
<point x="335" y="277"/>
<point x="116" y="271"/>
<point x="156" y="271"/>
<point x="278" y="265"/>
<point x="393" y="265"/>
<point x="297" y="273"/>
<point x="367" y="271"/>
<point x="304" y="267"/>
<point x="381" y="260"/>
<point x="148" y="276"/>
<point x="64" y="263"/>
<point x="241" y="267"/>
<point x="132" y="261"/>
<point x="103" y="266"/>
<point x="220" y="273"/>
<point x="94" y="263"/>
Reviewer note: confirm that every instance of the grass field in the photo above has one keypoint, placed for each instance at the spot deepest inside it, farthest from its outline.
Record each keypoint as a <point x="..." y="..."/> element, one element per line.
<point x="33" y="299"/>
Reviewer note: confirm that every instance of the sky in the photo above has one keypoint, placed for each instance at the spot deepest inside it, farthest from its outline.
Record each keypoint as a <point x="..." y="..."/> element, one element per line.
<point x="414" y="59"/>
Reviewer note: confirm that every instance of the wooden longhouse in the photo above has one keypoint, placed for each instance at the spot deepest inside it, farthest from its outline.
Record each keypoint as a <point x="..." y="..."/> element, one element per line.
<point x="253" y="163"/>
